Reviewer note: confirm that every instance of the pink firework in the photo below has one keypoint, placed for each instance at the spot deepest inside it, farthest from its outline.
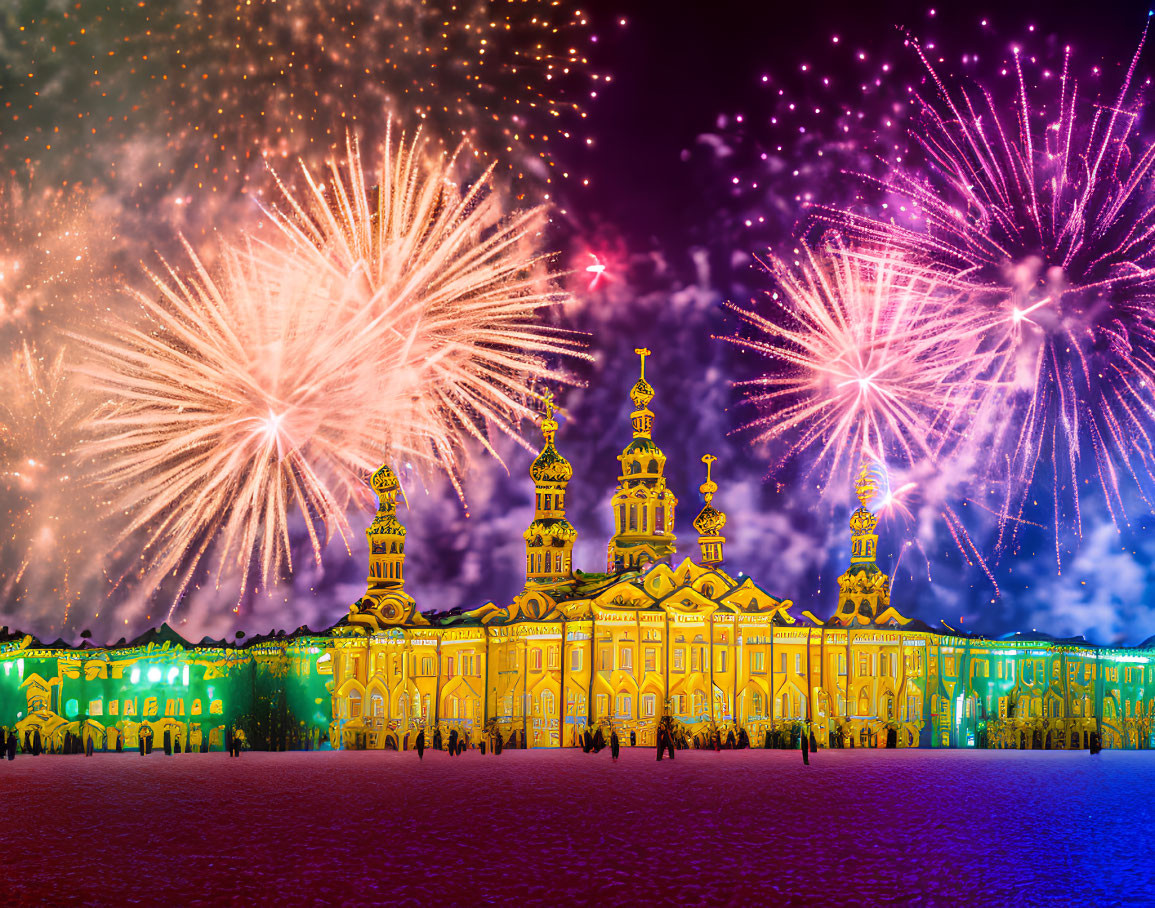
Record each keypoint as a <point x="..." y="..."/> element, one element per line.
<point x="868" y="355"/>
<point x="1042" y="211"/>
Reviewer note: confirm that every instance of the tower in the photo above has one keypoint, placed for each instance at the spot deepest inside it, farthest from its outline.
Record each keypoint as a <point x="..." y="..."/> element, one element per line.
<point x="550" y="537"/>
<point x="643" y="506"/>
<point x="385" y="601"/>
<point x="710" y="520"/>
<point x="863" y="590"/>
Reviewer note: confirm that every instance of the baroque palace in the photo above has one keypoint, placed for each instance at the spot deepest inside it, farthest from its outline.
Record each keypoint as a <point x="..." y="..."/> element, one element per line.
<point x="654" y="635"/>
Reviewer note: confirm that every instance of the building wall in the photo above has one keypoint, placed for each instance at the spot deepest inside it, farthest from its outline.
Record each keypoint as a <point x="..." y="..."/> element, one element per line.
<point x="549" y="680"/>
<point x="276" y="692"/>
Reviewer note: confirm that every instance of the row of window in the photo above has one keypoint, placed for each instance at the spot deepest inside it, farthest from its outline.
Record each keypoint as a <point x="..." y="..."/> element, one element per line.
<point x="546" y="563"/>
<point x="172" y="707"/>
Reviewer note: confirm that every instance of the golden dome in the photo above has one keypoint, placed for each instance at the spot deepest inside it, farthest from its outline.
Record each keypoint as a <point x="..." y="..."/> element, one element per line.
<point x="709" y="521"/>
<point x="384" y="481"/>
<point x="862" y="521"/>
<point x="550" y="466"/>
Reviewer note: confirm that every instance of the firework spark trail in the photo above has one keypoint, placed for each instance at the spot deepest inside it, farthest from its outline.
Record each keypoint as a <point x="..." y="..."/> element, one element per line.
<point x="51" y="550"/>
<point x="375" y="322"/>
<point x="1047" y="224"/>
<point x="867" y="358"/>
<point x="180" y="103"/>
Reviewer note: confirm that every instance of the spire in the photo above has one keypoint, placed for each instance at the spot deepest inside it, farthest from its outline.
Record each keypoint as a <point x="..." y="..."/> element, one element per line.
<point x="643" y="506"/>
<point x="386" y="534"/>
<point x="863" y="589"/>
<point x="550" y="537"/>
<point x="641" y="394"/>
<point x="710" y="520"/>
<point x="385" y="602"/>
<point x="863" y="539"/>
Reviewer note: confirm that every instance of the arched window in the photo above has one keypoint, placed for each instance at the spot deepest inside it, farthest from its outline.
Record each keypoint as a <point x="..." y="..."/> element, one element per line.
<point x="376" y="705"/>
<point x="449" y="667"/>
<point x="635" y="467"/>
<point x="633" y="517"/>
<point x="354" y="704"/>
<point x="547" y="702"/>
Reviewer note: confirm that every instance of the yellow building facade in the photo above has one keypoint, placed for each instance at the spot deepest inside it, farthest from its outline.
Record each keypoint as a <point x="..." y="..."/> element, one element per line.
<point x="662" y="635"/>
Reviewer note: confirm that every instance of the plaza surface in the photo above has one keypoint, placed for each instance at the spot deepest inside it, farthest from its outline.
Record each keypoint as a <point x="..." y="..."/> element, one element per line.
<point x="549" y="827"/>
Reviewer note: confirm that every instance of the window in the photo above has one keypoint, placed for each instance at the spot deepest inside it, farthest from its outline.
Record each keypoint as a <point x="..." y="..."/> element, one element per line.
<point x="603" y="705"/>
<point x="649" y="702"/>
<point x="537" y="658"/>
<point x="842" y="663"/>
<point x="575" y="660"/>
<point x="605" y="659"/>
<point x="621" y="517"/>
<point x="884" y="664"/>
<point x="798" y="663"/>
<point x="659" y="521"/>
<point x="355" y="705"/>
<point x="651" y="657"/>
<point x="114" y="706"/>
<point x="699" y="703"/>
<point x="449" y="667"/>
<point x="759" y="661"/>
<point x="757" y="703"/>
<point x="552" y="657"/>
<point x="427" y="665"/>
<point x="695" y="659"/>
<point x="645" y="517"/>
<point x="628" y="658"/>
<point x="782" y="663"/>
<point x="721" y="661"/>
<point x="679" y="659"/>
<point x="150" y="706"/>
<point x="547" y="702"/>
<point x="377" y="706"/>
<point x="633" y="517"/>
<point x="96" y="707"/>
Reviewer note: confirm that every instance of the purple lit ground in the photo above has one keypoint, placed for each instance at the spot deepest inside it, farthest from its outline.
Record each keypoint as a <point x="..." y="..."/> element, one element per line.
<point x="545" y="827"/>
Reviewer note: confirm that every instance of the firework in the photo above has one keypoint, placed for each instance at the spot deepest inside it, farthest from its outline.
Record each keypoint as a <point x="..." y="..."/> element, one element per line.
<point x="51" y="550"/>
<point x="1043" y="212"/>
<point x="865" y="357"/>
<point x="451" y="285"/>
<point x="375" y="323"/>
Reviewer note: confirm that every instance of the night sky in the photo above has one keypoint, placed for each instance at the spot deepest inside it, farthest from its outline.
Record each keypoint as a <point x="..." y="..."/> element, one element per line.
<point x="717" y="115"/>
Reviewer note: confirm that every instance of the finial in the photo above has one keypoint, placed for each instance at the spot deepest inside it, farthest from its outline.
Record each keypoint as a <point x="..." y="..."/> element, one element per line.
<point x="709" y="487"/>
<point x="643" y="353"/>
<point x="548" y="423"/>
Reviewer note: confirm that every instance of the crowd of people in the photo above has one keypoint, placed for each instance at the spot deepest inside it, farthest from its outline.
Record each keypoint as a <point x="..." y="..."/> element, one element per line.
<point x="33" y="744"/>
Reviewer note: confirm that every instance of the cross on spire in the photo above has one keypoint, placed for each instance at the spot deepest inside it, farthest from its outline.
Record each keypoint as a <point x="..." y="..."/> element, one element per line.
<point x="643" y="353"/>
<point x="547" y="399"/>
<point x="709" y="487"/>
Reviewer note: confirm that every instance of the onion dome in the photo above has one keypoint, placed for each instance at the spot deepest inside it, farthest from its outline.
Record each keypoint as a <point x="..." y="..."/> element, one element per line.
<point x="550" y="466"/>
